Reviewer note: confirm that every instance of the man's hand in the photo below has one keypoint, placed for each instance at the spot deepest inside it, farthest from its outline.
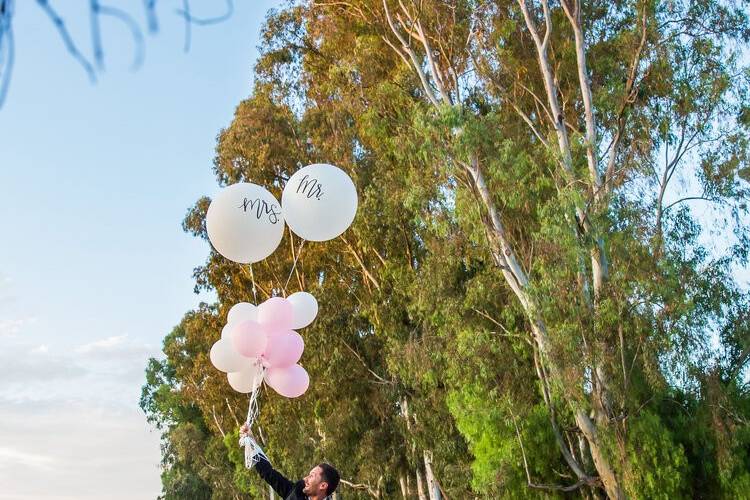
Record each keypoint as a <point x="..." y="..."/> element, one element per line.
<point x="244" y="430"/>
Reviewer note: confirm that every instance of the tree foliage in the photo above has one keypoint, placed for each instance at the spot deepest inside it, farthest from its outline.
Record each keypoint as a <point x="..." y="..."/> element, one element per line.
<point x="531" y="298"/>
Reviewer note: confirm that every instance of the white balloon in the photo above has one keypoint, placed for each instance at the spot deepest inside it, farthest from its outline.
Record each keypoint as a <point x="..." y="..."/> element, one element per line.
<point x="225" y="358"/>
<point x="248" y="379"/>
<point x="319" y="202"/>
<point x="305" y="309"/>
<point x="244" y="223"/>
<point x="226" y="332"/>
<point x="243" y="311"/>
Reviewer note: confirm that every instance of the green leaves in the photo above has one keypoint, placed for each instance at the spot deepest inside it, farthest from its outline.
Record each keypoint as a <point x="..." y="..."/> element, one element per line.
<point x="420" y="343"/>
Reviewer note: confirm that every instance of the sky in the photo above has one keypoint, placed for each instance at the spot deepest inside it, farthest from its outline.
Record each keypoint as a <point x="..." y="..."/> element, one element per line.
<point x="95" y="269"/>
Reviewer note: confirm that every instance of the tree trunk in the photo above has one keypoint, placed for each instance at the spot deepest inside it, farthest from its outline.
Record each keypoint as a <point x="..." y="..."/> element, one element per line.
<point x="432" y="486"/>
<point x="518" y="281"/>
<point x="606" y="473"/>
<point x="501" y="245"/>
<point x="420" y="486"/>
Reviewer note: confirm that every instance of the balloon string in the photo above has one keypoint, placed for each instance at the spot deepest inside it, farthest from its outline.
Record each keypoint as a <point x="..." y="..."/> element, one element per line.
<point x="253" y="452"/>
<point x="253" y="408"/>
<point x="294" y="265"/>
<point x="252" y="277"/>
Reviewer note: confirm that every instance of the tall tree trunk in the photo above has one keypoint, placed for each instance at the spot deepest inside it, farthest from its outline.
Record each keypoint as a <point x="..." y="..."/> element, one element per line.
<point x="420" y="485"/>
<point x="432" y="485"/>
<point x="607" y="475"/>
<point x="518" y="281"/>
<point x="501" y="246"/>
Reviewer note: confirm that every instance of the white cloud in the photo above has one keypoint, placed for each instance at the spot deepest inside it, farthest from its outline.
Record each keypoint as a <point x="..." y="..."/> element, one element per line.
<point x="85" y="451"/>
<point x="14" y="326"/>
<point x="69" y="412"/>
<point x="108" y="371"/>
<point x="40" y="349"/>
<point x="107" y="344"/>
<point x="11" y="456"/>
<point x="23" y="365"/>
<point x="117" y="348"/>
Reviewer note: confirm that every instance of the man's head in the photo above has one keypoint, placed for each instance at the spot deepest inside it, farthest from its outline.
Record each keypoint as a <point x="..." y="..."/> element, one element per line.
<point x="322" y="479"/>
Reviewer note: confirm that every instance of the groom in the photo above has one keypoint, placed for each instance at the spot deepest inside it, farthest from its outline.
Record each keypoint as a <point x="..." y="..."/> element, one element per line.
<point x="319" y="484"/>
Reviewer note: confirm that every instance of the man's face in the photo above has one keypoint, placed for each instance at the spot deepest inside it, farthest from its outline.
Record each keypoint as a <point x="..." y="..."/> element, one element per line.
<point x="314" y="482"/>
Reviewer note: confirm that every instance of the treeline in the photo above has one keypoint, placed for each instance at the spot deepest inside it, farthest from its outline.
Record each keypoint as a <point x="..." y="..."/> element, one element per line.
<point x="537" y="294"/>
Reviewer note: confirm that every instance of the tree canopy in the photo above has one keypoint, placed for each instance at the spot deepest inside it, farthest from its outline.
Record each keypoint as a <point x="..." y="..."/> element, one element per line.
<point x="538" y="293"/>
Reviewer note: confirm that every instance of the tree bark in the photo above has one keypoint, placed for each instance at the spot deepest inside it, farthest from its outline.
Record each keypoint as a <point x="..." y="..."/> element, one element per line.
<point x="608" y="477"/>
<point x="432" y="485"/>
<point x="420" y="486"/>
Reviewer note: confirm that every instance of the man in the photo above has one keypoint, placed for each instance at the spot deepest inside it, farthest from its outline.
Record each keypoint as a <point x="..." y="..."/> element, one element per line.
<point x="319" y="484"/>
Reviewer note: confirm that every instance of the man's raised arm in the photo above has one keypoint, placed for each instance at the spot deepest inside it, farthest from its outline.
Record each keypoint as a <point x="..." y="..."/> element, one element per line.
<point x="281" y="485"/>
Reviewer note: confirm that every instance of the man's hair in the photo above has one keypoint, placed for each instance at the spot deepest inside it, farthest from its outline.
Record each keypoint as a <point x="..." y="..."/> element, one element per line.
<point x="330" y="475"/>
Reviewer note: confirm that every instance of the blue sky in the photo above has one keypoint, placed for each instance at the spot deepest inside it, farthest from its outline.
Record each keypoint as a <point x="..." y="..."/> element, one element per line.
<point x="94" y="266"/>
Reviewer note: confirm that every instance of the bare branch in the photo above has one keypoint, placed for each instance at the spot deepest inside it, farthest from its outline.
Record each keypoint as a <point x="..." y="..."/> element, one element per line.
<point x="381" y="380"/>
<point x="507" y="333"/>
<point x="689" y="198"/>
<point x="531" y="125"/>
<point x="67" y="40"/>
<point x="548" y="487"/>
<point x="398" y="51"/>
<point x="436" y="74"/>
<point x="574" y="16"/>
<point x="569" y="458"/>
<point x="216" y="421"/>
<point x="361" y="486"/>
<point x="231" y="412"/>
<point x="412" y="55"/>
<point x="630" y="92"/>
<point x="349" y="5"/>
<point x="365" y="271"/>
<point x="538" y="100"/>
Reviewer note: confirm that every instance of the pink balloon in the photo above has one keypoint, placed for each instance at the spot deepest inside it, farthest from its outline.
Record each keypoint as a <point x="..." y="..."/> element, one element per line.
<point x="249" y="339"/>
<point x="276" y="313"/>
<point x="290" y="382"/>
<point x="283" y="349"/>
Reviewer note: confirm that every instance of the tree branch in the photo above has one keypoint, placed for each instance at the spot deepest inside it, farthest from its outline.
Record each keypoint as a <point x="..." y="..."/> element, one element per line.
<point x="381" y="380"/>
<point x="365" y="271"/>
<point x="412" y="55"/>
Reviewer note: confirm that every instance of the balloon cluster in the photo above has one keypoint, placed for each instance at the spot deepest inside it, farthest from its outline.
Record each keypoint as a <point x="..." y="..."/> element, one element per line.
<point x="245" y="223"/>
<point x="260" y="343"/>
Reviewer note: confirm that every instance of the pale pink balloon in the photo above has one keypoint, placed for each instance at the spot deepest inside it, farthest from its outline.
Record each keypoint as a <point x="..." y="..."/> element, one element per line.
<point x="249" y="339"/>
<point x="283" y="349"/>
<point x="276" y="313"/>
<point x="291" y="381"/>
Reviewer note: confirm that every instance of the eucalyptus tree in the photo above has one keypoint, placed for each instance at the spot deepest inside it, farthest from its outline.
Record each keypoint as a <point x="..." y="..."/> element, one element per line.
<point x="607" y="104"/>
<point x="531" y="286"/>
